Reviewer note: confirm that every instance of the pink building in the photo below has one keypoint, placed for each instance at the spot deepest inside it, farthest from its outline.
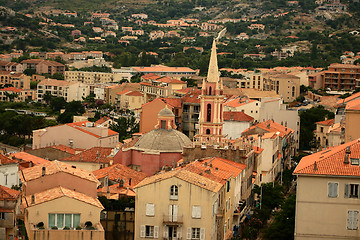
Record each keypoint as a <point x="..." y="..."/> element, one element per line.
<point x="156" y="149"/>
<point x="83" y="135"/>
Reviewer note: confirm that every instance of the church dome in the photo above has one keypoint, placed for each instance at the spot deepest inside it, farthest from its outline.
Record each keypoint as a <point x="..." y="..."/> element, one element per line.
<point x="162" y="140"/>
<point x="165" y="112"/>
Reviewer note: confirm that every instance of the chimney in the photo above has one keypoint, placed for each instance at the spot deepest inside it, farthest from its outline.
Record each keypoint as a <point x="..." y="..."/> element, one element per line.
<point x="347" y="155"/>
<point x="43" y="171"/>
<point x="315" y="166"/>
<point x="205" y="163"/>
<point x="207" y="171"/>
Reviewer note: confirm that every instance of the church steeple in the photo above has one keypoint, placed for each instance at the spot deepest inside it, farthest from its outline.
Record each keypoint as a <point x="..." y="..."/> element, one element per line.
<point x="213" y="72"/>
<point x="211" y="103"/>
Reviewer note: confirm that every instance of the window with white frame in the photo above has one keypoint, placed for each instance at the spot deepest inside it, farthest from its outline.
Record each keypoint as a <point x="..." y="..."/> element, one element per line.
<point x="333" y="189"/>
<point x="352" y="219"/>
<point x="62" y="220"/>
<point x="174" y="192"/>
<point x="195" y="233"/>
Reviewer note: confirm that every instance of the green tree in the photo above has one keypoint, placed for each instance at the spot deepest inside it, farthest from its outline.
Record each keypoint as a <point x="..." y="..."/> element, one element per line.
<point x="125" y="126"/>
<point x="57" y="103"/>
<point x="58" y="76"/>
<point x="284" y="224"/>
<point x="308" y="119"/>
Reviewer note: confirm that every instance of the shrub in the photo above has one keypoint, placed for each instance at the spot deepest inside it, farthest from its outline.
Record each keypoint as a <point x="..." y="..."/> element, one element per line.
<point x="54" y="228"/>
<point x="78" y="228"/>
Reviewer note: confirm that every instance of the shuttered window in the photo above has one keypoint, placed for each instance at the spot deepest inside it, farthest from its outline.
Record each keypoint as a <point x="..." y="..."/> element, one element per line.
<point x="196" y="212"/>
<point x="332" y="190"/>
<point x="353" y="219"/>
<point x="150" y="209"/>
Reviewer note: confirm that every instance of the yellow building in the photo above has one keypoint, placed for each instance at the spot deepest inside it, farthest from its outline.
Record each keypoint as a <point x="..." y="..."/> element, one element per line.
<point x="352" y="120"/>
<point x="131" y="100"/>
<point x="215" y="188"/>
<point x="286" y="85"/>
<point x="59" y="201"/>
<point x="327" y="195"/>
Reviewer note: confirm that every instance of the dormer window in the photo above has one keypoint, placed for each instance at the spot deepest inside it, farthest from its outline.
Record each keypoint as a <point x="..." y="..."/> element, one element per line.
<point x="354" y="161"/>
<point x="174" y="192"/>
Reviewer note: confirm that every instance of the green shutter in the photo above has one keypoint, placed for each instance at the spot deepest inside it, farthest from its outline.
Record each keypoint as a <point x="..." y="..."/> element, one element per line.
<point x="346" y="191"/>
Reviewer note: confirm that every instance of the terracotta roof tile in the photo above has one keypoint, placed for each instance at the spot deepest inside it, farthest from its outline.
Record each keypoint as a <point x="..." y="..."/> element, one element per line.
<point x="116" y="189"/>
<point x="237" y="116"/>
<point x="119" y="171"/>
<point x="134" y="93"/>
<point x="6" y="160"/>
<point x="328" y="122"/>
<point x="102" y="120"/>
<point x="27" y="157"/>
<point x="174" y="102"/>
<point x="8" y="193"/>
<point x="353" y="105"/>
<point x="11" y="89"/>
<point x="184" y="175"/>
<point x="331" y="161"/>
<point x="58" y="192"/>
<point x="53" y="167"/>
<point x="237" y="102"/>
<point x="271" y="126"/>
<point x="94" y="154"/>
<point x="67" y="149"/>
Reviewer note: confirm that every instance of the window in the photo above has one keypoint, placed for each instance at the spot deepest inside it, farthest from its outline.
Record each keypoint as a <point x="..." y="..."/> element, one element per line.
<point x="163" y="124"/>
<point x="2" y="216"/>
<point x="174" y="194"/>
<point x="149" y="231"/>
<point x="196" y="212"/>
<point x="351" y="191"/>
<point x="150" y="209"/>
<point x="195" y="233"/>
<point x="332" y="190"/>
<point x="228" y="186"/>
<point x="352" y="219"/>
<point x="208" y="115"/>
<point x="62" y="220"/>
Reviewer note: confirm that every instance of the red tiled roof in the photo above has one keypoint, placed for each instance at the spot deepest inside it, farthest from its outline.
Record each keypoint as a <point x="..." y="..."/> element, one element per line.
<point x="7" y="160"/>
<point x="237" y="116"/>
<point x="53" y="167"/>
<point x="134" y="93"/>
<point x="328" y="122"/>
<point x="123" y="92"/>
<point x="353" y="105"/>
<point x="331" y="161"/>
<point x="175" y="102"/>
<point x="80" y="126"/>
<point x="169" y="80"/>
<point x="116" y="189"/>
<point x="118" y="171"/>
<point x="150" y="76"/>
<point x="237" y="102"/>
<point x="95" y="155"/>
<point x="27" y="157"/>
<point x="67" y="149"/>
<point x="8" y="194"/>
<point x="58" y="192"/>
<point x="192" y="96"/>
<point x="271" y="126"/>
<point x="102" y="120"/>
<point x="11" y="89"/>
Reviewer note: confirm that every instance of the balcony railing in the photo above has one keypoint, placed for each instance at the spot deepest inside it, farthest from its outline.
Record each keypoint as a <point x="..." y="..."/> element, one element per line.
<point x="173" y="219"/>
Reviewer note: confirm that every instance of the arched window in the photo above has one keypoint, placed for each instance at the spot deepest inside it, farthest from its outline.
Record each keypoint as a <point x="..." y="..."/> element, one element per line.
<point x="207" y="131"/>
<point x="210" y="90"/>
<point x="174" y="192"/>
<point x="208" y="113"/>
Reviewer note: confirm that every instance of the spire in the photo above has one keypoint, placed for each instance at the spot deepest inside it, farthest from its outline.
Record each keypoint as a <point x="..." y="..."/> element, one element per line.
<point x="213" y="72"/>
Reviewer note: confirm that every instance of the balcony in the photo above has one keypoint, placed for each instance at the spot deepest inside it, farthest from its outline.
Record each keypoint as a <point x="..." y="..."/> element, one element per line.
<point x="173" y="219"/>
<point x="51" y="234"/>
